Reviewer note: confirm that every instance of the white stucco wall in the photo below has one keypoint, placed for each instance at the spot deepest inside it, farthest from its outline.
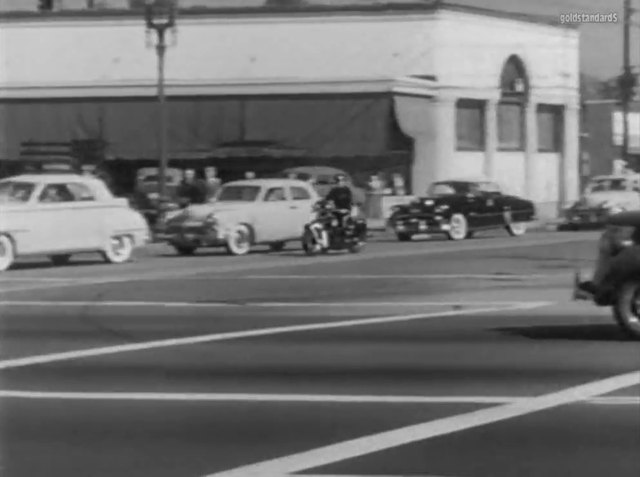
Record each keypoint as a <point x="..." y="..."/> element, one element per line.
<point x="231" y="50"/>
<point x="481" y="45"/>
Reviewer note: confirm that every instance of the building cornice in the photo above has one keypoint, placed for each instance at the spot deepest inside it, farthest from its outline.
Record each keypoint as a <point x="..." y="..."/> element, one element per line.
<point x="181" y="89"/>
<point x="291" y="11"/>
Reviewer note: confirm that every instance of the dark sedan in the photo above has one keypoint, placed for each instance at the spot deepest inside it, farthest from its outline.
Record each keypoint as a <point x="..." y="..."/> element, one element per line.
<point x="460" y="208"/>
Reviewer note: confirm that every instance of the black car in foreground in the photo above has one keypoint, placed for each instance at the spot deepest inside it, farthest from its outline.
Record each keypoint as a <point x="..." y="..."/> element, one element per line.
<point x="460" y="208"/>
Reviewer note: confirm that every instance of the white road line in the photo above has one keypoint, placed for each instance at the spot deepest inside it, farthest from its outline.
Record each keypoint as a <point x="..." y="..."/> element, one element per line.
<point x="257" y="304"/>
<point x="167" y="343"/>
<point x="291" y="398"/>
<point x="169" y="273"/>
<point x="419" y="432"/>
<point x="486" y="276"/>
<point x="244" y="397"/>
<point x="617" y="401"/>
<point x="35" y="279"/>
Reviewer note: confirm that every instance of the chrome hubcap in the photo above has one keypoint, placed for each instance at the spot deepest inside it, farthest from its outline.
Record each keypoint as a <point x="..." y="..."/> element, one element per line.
<point x="118" y="245"/>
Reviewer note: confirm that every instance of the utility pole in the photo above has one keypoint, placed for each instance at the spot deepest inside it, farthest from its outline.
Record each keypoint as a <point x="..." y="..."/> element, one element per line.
<point x="627" y="80"/>
<point x="160" y="17"/>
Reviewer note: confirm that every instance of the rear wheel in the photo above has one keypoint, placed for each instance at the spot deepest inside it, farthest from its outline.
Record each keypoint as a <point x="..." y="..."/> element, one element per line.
<point x="403" y="236"/>
<point x="7" y="253"/>
<point x="459" y="227"/>
<point x="516" y="229"/>
<point x="59" y="260"/>
<point x="119" y="249"/>
<point x="626" y="309"/>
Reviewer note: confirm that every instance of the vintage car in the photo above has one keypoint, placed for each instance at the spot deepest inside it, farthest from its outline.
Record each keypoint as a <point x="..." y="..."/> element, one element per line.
<point x="63" y="214"/>
<point x="243" y="214"/>
<point x="458" y="208"/>
<point x="601" y="196"/>
<point x="619" y="286"/>
<point x="323" y="179"/>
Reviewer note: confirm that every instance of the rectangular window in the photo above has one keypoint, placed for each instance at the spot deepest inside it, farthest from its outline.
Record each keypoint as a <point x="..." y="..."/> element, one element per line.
<point x="510" y="126"/>
<point x="470" y="125"/>
<point x="549" y="119"/>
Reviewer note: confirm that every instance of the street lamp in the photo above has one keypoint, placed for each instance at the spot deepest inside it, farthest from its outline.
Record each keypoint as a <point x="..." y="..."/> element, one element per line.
<point x="160" y="16"/>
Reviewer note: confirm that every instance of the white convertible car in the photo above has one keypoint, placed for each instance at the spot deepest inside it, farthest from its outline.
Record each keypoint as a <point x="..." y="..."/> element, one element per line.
<point x="243" y="214"/>
<point x="62" y="214"/>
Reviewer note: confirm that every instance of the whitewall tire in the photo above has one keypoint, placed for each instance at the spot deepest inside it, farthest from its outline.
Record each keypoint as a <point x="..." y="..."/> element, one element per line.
<point x="516" y="229"/>
<point x="239" y="240"/>
<point x="459" y="227"/>
<point x="7" y="253"/>
<point x="119" y="249"/>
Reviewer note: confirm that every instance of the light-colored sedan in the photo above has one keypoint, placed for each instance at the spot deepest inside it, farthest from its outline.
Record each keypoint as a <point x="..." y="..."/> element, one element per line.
<point x="62" y="214"/>
<point x="243" y="214"/>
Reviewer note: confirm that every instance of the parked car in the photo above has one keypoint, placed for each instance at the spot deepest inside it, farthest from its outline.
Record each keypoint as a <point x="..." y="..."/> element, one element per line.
<point x="458" y="208"/>
<point x="323" y="179"/>
<point x="63" y="214"/>
<point x="243" y="214"/>
<point x="602" y="196"/>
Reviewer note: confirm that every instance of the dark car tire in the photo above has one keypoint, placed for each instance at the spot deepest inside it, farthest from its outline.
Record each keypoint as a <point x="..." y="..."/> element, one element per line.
<point x="461" y="229"/>
<point x="185" y="250"/>
<point x="626" y="309"/>
<point x="404" y="236"/>
<point x="60" y="260"/>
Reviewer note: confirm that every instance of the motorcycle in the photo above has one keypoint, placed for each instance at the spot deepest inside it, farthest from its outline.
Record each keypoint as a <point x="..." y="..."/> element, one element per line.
<point x="622" y="291"/>
<point x="333" y="229"/>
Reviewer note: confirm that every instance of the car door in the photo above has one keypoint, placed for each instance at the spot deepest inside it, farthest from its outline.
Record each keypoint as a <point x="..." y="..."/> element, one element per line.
<point x="54" y="231"/>
<point x="473" y="206"/>
<point x="274" y="217"/>
<point x="86" y="217"/>
<point x="302" y="202"/>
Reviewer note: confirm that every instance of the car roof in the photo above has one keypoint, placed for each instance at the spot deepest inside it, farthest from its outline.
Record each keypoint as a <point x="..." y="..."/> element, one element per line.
<point x="52" y="178"/>
<point x="272" y="182"/>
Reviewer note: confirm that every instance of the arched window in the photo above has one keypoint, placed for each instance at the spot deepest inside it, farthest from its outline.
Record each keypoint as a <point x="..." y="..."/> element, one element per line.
<point x="514" y="91"/>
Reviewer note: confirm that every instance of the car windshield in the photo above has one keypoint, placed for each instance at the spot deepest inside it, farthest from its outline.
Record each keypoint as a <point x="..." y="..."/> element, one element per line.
<point x="438" y="189"/>
<point x="238" y="193"/>
<point x="604" y="185"/>
<point x="13" y="191"/>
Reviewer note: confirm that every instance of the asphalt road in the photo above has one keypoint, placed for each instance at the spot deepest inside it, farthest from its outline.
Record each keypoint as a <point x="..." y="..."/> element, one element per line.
<point x="427" y="358"/>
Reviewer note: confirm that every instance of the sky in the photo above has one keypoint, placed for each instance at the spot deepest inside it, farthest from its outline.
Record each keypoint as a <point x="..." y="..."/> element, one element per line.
<point x="601" y="44"/>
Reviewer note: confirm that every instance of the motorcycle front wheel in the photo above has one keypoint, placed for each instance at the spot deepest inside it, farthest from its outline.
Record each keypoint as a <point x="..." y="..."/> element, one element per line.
<point x="309" y="243"/>
<point x="626" y="309"/>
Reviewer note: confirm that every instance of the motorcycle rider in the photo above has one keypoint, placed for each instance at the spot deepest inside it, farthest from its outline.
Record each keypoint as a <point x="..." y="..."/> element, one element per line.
<point x="342" y="198"/>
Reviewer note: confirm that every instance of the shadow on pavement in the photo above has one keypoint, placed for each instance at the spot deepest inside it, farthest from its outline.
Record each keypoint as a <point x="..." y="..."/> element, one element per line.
<point x="599" y="332"/>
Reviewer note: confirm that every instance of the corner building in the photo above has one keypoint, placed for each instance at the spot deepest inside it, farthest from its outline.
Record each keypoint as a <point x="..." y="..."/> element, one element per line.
<point x="433" y="90"/>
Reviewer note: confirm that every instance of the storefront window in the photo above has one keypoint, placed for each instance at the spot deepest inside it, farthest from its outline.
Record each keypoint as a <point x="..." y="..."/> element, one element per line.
<point x="549" y="119"/>
<point x="510" y="126"/>
<point x="470" y="125"/>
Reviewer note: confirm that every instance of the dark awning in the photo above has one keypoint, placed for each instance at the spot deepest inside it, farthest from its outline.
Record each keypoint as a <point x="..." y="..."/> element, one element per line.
<point x="289" y="126"/>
